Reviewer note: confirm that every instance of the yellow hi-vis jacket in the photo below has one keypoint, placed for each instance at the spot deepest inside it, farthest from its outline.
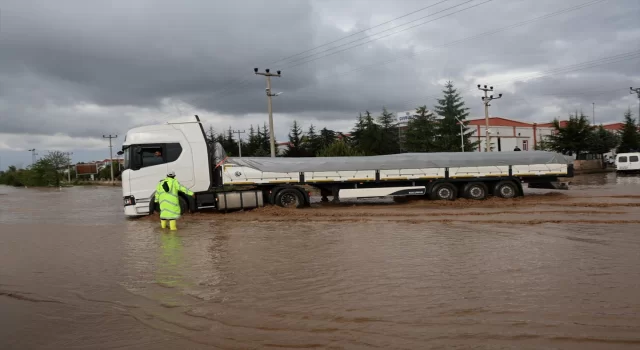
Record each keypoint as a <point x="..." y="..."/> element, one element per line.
<point x="167" y="196"/>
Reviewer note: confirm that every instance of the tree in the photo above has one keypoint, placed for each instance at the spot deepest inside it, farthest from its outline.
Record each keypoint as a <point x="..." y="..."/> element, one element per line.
<point x="367" y="135"/>
<point x="389" y="137"/>
<point x="421" y="132"/>
<point x="327" y="137"/>
<point x="265" y="143"/>
<point x="312" y="143"/>
<point x="449" y="108"/>
<point x="629" y="136"/>
<point x="295" y="148"/>
<point x="57" y="161"/>
<point x="543" y="145"/>
<point x="211" y="135"/>
<point x="339" y="148"/>
<point x="572" y="139"/>
<point x="601" y="141"/>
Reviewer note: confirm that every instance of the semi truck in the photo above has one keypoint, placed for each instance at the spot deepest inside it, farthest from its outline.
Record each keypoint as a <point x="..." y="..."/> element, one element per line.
<point x="224" y="183"/>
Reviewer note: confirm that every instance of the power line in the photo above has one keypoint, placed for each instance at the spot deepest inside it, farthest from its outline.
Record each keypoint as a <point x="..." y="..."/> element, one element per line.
<point x="490" y="32"/>
<point x="386" y="30"/>
<point x="502" y="29"/>
<point x="337" y="40"/>
<point x="369" y="41"/>
<point x="362" y="31"/>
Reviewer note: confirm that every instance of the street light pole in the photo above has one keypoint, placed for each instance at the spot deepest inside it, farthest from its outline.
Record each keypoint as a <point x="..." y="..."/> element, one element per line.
<point x="269" y="95"/>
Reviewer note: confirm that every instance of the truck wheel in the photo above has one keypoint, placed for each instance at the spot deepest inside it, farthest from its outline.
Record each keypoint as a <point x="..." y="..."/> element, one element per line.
<point x="289" y="198"/>
<point x="443" y="191"/>
<point x="475" y="190"/>
<point x="505" y="189"/>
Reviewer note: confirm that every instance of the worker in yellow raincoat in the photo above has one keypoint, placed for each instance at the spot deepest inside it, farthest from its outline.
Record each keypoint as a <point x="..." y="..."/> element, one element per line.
<point x="167" y="197"/>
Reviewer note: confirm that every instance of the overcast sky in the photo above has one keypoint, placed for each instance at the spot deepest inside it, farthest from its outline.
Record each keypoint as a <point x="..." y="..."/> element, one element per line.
<point x="74" y="70"/>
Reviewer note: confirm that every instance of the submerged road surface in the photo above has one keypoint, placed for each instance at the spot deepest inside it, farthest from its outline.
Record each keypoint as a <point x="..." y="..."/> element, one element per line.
<point x="552" y="271"/>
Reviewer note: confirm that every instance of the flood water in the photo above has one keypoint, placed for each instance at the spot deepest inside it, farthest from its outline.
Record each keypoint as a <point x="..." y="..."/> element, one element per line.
<point x="544" y="272"/>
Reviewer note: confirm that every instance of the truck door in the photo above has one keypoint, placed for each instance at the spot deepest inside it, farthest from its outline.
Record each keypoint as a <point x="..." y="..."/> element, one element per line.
<point x="148" y="167"/>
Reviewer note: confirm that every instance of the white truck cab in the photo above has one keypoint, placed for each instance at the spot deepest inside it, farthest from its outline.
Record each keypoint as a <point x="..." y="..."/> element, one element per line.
<point x="151" y="151"/>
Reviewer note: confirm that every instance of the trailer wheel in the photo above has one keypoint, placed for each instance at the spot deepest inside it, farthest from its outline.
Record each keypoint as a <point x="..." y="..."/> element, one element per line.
<point x="475" y="190"/>
<point x="505" y="189"/>
<point x="443" y="191"/>
<point x="289" y="198"/>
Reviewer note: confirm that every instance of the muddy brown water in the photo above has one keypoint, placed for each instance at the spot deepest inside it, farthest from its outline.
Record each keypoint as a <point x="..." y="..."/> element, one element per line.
<point x="554" y="270"/>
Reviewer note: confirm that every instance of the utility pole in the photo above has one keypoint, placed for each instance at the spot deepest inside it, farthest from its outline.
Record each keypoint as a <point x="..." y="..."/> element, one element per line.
<point x="594" y="112"/>
<point x="269" y="95"/>
<point x="486" y="99"/>
<point x="110" y="153"/>
<point x="33" y="156"/>
<point x="637" y="91"/>
<point x="239" y="141"/>
<point x="69" y="166"/>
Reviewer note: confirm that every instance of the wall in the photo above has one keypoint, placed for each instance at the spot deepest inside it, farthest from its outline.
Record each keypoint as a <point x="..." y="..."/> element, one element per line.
<point x="586" y="165"/>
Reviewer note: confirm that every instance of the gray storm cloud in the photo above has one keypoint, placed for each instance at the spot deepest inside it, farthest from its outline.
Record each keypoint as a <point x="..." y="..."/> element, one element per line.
<point x="78" y="67"/>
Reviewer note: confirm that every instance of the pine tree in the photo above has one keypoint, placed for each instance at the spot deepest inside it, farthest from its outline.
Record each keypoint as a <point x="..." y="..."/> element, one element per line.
<point x="389" y="138"/>
<point x="265" y="138"/>
<point x="601" y="141"/>
<point x="295" y="148"/>
<point x="449" y="108"/>
<point x="421" y="132"/>
<point x="327" y="137"/>
<point x="231" y="146"/>
<point x="629" y="137"/>
<point x="312" y="143"/>
<point x="367" y="135"/>
<point x="357" y="132"/>
<point x="339" y="148"/>
<point x="571" y="139"/>
<point x="211" y="135"/>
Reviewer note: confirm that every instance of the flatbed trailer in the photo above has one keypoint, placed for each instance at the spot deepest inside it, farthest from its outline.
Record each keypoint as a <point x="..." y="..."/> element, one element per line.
<point x="230" y="183"/>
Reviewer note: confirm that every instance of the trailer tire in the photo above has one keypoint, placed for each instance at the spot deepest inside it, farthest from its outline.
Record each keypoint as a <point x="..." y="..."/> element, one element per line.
<point x="475" y="190"/>
<point x="443" y="191"/>
<point x="290" y="198"/>
<point x="505" y="189"/>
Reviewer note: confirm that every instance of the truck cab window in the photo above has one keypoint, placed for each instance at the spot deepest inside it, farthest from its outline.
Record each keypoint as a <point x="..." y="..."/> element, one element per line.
<point x="633" y="159"/>
<point x="151" y="156"/>
<point x="173" y="151"/>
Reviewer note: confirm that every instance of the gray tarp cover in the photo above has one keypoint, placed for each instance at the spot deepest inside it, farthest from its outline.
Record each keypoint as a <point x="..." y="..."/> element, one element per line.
<point x="396" y="161"/>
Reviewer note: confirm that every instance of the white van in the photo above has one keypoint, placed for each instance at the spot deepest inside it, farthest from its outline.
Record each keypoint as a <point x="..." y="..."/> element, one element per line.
<point x="628" y="162"/>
